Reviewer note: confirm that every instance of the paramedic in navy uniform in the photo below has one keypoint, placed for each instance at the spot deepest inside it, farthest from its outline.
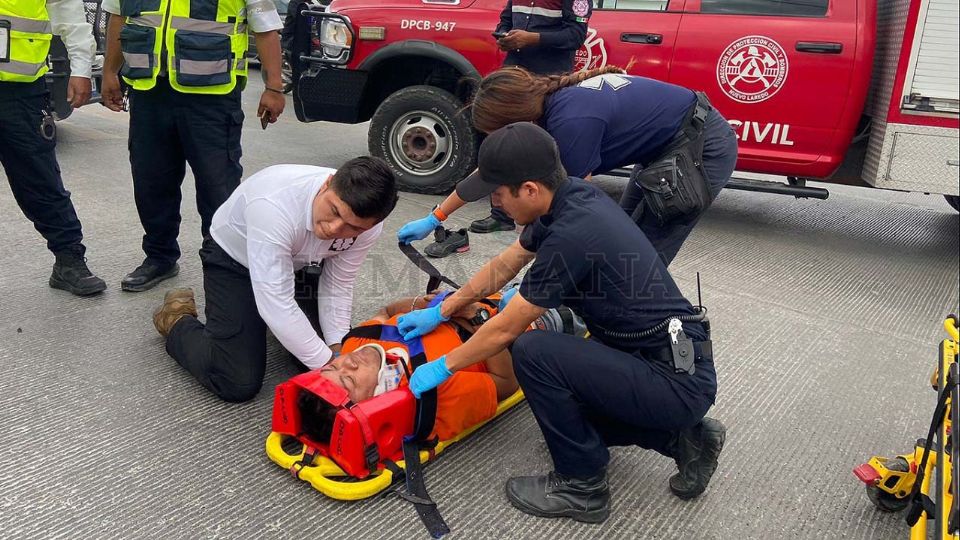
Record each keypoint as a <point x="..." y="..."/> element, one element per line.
<point x="542" y="36"/>
<point x="281" y="220"/>
<point x="586" y="394"/>
<point x="602" y="119"/>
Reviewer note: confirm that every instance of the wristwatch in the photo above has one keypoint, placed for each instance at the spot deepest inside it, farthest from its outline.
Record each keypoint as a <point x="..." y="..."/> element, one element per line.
<point x="481" y="317"/>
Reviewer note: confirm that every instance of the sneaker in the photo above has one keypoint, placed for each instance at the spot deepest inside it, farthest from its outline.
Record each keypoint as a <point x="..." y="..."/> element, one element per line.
<point x="490" y="224"/>
<point x="177" y="303"/>
<point x="556" y="495"/>
<point x="148" y="275"/>
<point x="447" y="242"/>
<point x="696" y="451"/>
<point x="70" y="273"/>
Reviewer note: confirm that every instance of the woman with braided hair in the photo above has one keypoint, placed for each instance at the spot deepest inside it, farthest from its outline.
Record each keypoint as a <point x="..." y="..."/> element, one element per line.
<point x="604" y="119"/>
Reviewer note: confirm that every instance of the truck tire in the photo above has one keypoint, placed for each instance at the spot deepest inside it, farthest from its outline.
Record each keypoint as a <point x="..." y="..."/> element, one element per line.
<point x="425" y="137"/>
<point x="954" y="201"/>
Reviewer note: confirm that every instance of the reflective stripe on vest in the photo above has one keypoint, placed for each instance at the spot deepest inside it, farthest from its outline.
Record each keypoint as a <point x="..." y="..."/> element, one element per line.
<point x="28" y="26"/>
<point x="137" y="60"/>
<point x="21" y="68"/>
<point x="202" y="44"/>
<point x="203" y="67"/>
<point x="197" y="25"/>
<point x="30" y="32"/>
<point x="151" y="21"/>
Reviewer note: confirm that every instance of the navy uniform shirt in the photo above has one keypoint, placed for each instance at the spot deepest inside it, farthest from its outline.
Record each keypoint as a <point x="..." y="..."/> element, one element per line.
<point x="614" y="120"/>
<point x="562" y="25"/>
<point x="592" y="258"/>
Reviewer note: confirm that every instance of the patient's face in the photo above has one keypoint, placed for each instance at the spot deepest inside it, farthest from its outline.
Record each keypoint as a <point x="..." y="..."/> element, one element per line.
<point x="356" y="372"/>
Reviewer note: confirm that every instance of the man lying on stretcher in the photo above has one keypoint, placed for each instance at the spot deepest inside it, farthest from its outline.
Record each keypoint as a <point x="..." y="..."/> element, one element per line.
<point x="467" y="398"/>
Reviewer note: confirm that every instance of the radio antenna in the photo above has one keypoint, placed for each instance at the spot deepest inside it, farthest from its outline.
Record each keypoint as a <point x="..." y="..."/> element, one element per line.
<point x="699" y="296"/>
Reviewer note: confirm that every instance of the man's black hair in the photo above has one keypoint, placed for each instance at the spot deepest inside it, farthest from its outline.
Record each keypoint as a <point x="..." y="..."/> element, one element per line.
<point x="551" y="182"/>
<point x="368" y="186"/>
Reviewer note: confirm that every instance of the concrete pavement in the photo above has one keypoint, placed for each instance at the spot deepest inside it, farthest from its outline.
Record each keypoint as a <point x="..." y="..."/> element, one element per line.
<point x="826" y="318"/>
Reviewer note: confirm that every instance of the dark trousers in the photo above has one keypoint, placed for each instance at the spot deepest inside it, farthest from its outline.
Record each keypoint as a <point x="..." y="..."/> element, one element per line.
<point x="169" y="129"/>
<point x="228" y="354"/>
<point x="719" y="160"/>
<point x="30" y="163"/>
<point x="587" y="396"/>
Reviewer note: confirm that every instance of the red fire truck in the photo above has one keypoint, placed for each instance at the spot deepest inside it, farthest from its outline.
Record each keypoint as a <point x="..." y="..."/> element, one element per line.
<point x="861" y="92"/>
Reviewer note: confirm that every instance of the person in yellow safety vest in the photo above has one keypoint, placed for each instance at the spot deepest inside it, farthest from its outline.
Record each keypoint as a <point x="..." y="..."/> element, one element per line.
<point x="28" y="132"/>
<point x="185" y="63"/>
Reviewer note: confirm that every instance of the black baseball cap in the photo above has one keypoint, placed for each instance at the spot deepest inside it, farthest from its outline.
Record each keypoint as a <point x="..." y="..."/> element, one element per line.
<point x="510" y="156"/>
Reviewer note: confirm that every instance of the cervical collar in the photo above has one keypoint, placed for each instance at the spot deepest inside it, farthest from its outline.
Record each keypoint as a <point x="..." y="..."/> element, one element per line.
<point x="391" y="370"/>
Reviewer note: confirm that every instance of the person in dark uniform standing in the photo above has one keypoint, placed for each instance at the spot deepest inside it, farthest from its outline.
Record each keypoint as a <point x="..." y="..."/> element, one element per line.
<point x="603" y="119"/>
<point x="186" y="64"/>
<point x="28" y="133"/>
<point x="541" y="36"/>
<point x="645" y="377"/>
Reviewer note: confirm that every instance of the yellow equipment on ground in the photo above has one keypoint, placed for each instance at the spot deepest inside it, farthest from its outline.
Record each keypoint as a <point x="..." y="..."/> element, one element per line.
<point x="328" y="478"/>
<point x="926" y="482"/>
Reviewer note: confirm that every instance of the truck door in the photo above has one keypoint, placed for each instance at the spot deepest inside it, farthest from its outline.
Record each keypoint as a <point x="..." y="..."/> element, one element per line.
<point x="780" y="71"/>
<point x="641" y="31"/>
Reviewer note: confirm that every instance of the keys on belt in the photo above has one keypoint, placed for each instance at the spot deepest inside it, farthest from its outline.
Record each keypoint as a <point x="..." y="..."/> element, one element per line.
<point x="681" y="353"/>
<point x="681" y="348"/>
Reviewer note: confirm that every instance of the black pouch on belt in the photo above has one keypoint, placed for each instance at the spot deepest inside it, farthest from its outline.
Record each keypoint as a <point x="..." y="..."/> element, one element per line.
<point x="674" y="185"/>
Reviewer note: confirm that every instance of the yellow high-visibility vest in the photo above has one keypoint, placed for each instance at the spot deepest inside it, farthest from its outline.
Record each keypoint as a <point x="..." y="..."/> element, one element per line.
<point x="204" y="48"/>
<point x="28" y="29"/>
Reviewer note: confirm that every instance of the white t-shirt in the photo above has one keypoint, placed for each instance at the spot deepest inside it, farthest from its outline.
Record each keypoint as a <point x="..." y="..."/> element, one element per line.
<point x="262" y="15"/>
<point x="267" y="226"/>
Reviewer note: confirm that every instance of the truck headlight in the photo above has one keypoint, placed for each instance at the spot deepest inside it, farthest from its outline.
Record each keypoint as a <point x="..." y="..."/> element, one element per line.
<point x="336" y="37"/>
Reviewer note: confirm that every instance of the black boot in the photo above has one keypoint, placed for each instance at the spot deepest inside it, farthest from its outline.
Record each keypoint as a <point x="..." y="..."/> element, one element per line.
<point x="70" y="273"/>
<point x="148" y="275"/>
<point x="447" y="242"/>
<point x="491" y="224"/>
<point x="556" y="495"/>
<point x="695" y="451"/>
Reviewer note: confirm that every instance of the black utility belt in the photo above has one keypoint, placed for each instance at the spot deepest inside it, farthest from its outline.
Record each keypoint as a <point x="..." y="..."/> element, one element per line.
<point x="680" y="357"/>
<point x="674" y="184"/>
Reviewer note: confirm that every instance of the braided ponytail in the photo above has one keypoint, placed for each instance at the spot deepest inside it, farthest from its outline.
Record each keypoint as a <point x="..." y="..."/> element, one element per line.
<point x="513" y="94"/>
<point x="558" y="82"/>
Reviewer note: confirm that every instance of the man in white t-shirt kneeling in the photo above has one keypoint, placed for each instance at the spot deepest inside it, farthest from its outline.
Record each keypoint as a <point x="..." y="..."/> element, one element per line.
<point x="286" y="219"/>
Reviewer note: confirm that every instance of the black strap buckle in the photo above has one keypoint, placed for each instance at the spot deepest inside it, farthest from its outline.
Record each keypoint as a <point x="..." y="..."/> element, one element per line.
<point x="422" y="263"/>
<point x="372" y="456"/>
<point x="309" y="456"/>
<point x="667" y="190"/>
<point x="700" y="111"/>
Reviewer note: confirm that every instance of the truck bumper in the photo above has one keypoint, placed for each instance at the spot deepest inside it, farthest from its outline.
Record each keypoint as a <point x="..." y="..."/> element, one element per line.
<point x="330" y="94"/>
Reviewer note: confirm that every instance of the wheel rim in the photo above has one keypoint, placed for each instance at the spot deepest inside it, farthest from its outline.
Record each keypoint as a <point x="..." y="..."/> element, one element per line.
<point x="420" y="143"/>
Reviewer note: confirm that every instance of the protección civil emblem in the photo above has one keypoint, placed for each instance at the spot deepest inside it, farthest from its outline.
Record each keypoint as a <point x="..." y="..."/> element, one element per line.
<point x="581" y="8"/>
<point x="752" y="69"/>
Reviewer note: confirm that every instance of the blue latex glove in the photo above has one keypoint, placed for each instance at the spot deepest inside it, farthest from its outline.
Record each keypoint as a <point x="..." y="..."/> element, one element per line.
<point x="418" y="229"/>
<point x="505" y="299"/>
<point x="420" y="322"/>
<point x="429" y="376"/>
